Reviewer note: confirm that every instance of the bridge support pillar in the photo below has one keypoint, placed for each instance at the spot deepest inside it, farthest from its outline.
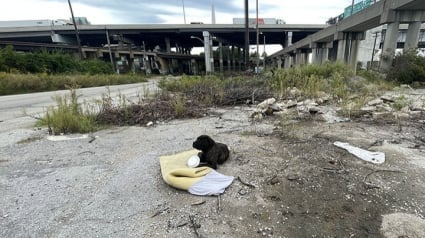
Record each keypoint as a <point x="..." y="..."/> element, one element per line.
<point x="412" y="37"/>
<point x="326" y="49"/>
<point x="342" y="44"/>
<point x="279" y="63"/>
<point x="390" y="44"/>
<point x="316" y="53"/>
<point x="354" y="49"/>
<point x="167" y="45"/>
<point x="164" y="64"/>
<point x="288" y="39"/>
<point x="286" y="62"/>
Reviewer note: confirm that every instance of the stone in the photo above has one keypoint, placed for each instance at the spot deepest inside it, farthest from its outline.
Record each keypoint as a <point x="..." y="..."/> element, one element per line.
<point x="387" y="98"/>
<point x="291" y="104"/>
<point x="375" y="102"/>
<point x="382" y="115"/>
<point x="266" y="103"/>
<point x="368" y="108"/>
<point x="313" y="110"/>
<point x="417" y="106"/>
<point x="294" y="92"/>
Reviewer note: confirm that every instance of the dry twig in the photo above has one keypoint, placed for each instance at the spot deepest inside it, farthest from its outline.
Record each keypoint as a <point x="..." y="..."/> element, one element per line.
<point x="218" y="203"/>
<point x="159" y="212"/>
<point x="194" y="225"/>
<point x="245" y="183"/>
<point x="369" y="185"/>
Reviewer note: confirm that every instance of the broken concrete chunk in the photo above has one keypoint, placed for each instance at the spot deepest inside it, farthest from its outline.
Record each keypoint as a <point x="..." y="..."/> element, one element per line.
<point x="266" y="103"/>
<point x="375" y="102"/>
<point x="387" y="98"/>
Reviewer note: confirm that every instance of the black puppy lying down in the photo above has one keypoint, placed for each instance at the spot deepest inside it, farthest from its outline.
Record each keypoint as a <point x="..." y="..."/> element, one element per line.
<point x="213" y="153"/>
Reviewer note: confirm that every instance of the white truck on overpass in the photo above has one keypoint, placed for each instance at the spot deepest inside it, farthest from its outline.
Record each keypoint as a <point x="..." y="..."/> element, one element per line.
<point x="30" y="23"/>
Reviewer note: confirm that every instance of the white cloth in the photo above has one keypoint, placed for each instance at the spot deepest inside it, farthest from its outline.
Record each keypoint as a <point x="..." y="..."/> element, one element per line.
<point x="213" y="183"/>
<point x="369" y="156"/>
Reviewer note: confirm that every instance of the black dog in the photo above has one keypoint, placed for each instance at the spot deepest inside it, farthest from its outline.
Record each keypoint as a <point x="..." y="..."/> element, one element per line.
<point x="213" y="153"/>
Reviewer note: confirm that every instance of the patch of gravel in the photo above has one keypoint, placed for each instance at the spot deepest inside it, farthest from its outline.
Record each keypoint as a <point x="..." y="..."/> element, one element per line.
<point x="293" y="181"/>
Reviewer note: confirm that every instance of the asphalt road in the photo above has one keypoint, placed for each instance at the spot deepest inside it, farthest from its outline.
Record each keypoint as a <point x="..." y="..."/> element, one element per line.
<point x="19" y="107"/>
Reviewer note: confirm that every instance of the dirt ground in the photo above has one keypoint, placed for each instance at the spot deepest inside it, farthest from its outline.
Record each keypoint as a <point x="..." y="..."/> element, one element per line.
<point x="291" y="181"/>
<point x="304" y="186"/>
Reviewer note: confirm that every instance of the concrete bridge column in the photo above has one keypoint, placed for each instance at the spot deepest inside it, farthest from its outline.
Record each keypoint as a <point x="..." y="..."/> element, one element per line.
<point x="279" y="63"/>
<point x="147" y="65"/>
<point x="286" y="61"/>
<point x="354" y="43"/>
<point x="342" y="44"/>
<point x="298" y="57"/>
<point x="164" y="65"/>
<point x="390" y="44"/>
<point x="326" y="49"/>
<point x="315" y="53"/>
<point x="412" y="37"/>
<point x="354" y="49"/>
<point x="229" y="61"/>
<point x="195" y="69"/>
<point x="167" y="45"/>
<point x="288" y="39"/>
<point x="232" y="54"/>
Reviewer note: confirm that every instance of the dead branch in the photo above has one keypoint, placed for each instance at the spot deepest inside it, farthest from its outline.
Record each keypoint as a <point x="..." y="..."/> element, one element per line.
<point x="194" y="225"/>
<point x="92" y="138"/>
<point x="218" y="203"/>
<point x="245" y="183"/>
<point x="369" y="185"/>
<point x="198" y="203"/>
<point x="159" y="212"/>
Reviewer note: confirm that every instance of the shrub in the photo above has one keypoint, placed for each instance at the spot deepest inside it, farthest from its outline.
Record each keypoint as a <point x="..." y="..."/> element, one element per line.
<point x="312" y="79"/>
<point x="211" y="90"/>
<point x="56" y="62"/>
<point x="407" y="68"/>
<point x="68" y="116"/>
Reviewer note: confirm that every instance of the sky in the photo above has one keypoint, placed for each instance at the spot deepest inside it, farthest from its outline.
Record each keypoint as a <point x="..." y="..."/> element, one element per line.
<point x="171" y="11"/>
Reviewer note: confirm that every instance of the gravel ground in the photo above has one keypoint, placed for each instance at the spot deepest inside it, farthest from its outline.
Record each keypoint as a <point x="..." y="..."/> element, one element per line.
<point x="109" y="183"/>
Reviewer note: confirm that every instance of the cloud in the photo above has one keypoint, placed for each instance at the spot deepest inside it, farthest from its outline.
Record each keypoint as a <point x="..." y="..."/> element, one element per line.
<point x="171" y="11"/>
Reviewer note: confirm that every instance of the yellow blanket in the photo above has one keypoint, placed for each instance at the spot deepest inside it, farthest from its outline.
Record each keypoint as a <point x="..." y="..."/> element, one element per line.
<point x="176" y="173"/>
<point x="198" y="181"/>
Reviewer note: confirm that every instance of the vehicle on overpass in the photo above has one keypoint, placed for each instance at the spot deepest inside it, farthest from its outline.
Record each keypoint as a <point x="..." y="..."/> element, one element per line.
<point x="31" y="23"/>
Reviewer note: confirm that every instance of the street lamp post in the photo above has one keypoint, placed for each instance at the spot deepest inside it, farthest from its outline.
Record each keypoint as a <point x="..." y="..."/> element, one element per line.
<point x="207" y="50"/>
<point x="258" y="36"/>
<point x="184" y="12"/>
<point x="264" y="51"/>
<point x="80" y="50"/>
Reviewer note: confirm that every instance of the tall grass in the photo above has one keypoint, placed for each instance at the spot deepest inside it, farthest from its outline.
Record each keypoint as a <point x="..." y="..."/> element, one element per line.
<point x="14" y="83"/>
<point x="312" y="79"/>
<point x="68" y="116"/>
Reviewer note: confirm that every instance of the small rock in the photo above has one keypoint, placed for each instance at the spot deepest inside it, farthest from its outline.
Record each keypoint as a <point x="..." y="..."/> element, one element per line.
<point x="387" y="98"/>
<point x="291" y="104"/>
<point x="368" y="109"/>
<point x="149" y="124"/>
<point x="266" y="103"/>
<point x="417" y="106"/>
<point x="292" y="177"/>
<point x="294" y="92"/>
<point x="313" y="110"/>
<point x="375" y="102"/>
<point x="382" y="115"/>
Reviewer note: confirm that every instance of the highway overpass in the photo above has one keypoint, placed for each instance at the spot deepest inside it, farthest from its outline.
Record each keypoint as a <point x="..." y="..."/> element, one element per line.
<point x="341" y="40"/>
<point x="132" y="40"/>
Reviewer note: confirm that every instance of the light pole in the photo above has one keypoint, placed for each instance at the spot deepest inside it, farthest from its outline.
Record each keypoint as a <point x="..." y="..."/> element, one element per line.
<point x="207" y="50"/>
<point x="373" y="50"/>
<point x="184" y="12"/>
<point x="264" y="50"/>
<point x="76" y="31"/>
<point x="258" y="36"/>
